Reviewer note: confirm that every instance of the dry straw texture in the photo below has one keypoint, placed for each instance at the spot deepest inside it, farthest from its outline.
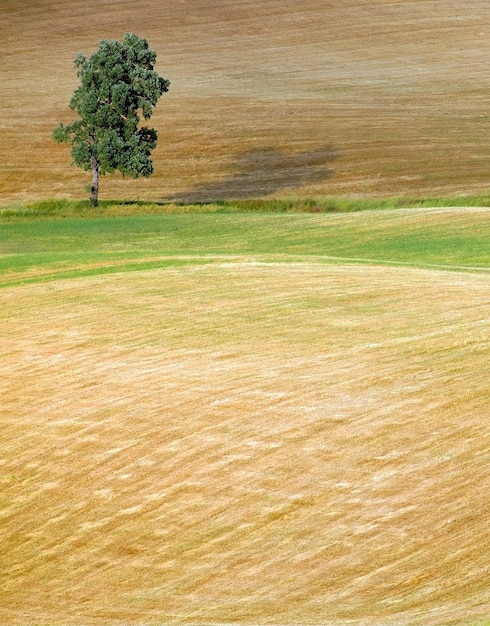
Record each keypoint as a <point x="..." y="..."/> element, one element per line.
<point x="246" y="442"/>
<point x="267" y="98"/>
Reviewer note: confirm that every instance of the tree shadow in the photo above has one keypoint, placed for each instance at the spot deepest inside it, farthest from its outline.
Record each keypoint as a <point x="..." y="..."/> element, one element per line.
<point x="262" y="172"/>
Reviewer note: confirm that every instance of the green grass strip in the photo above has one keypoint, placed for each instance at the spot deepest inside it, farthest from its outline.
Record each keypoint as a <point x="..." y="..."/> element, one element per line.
<point x="76" y="246"/>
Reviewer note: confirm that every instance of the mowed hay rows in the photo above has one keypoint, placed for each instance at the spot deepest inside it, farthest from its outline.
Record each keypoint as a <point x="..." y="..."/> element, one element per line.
<point x="267" y="98"/>
<point x="246" y="442"/>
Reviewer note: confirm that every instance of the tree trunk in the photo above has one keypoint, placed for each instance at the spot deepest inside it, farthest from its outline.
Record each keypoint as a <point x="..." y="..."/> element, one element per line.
<point x="94" y="195"/>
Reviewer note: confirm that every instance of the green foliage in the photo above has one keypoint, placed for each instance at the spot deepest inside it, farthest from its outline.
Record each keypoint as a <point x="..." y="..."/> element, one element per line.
<point x="118" y="84"/>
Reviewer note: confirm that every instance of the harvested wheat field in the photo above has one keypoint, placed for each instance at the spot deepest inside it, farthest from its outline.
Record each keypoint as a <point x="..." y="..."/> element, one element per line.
<point x="361" y="98"/>
<point x="276" y="429"/>
<point x="246" y="442"/>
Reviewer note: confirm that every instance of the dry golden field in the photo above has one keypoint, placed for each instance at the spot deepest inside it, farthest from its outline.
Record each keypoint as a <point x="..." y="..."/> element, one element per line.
<point x="246" y="442"/>
<point x="347" y="97"/>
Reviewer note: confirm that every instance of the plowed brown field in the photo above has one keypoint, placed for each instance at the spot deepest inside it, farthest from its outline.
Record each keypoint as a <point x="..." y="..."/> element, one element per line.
<point x="351" y="97"/>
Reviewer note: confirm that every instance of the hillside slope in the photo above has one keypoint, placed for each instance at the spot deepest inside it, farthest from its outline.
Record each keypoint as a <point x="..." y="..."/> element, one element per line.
<point x="184" y="445"/>
<point x="267" y="98"/>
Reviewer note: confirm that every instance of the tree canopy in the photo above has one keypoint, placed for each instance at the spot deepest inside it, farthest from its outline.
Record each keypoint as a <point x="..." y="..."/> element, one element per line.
<point x="118" y="83"/>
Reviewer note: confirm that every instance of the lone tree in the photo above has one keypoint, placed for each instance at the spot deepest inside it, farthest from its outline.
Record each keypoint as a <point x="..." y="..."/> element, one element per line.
<point x="117" y="83"/>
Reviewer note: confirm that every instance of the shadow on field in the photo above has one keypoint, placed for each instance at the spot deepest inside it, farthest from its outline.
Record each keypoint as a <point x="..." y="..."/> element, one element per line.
<point x="262" y="172"/>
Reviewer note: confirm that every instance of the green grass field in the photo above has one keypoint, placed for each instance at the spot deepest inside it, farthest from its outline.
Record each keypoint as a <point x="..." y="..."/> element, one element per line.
<point x="36" y="247"/>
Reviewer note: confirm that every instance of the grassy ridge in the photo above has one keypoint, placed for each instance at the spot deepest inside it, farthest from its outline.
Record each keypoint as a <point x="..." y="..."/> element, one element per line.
<point x="62" y="208"/>
<point x="39" y="247"/>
